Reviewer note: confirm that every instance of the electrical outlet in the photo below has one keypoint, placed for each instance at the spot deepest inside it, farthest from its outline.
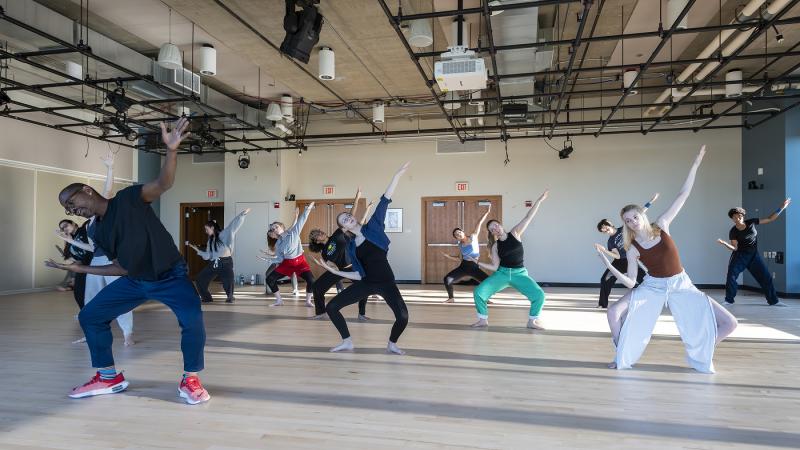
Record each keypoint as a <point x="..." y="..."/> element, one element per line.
<point x="761" y="171"/>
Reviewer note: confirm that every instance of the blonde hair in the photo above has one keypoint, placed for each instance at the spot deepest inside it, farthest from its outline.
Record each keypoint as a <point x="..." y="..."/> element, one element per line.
<point x="629" y="235"/>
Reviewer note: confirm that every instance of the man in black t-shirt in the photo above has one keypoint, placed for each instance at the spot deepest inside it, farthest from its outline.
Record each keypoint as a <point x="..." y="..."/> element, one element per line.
<point x="744" y="245"/>
<point x="144" y="255"/>
<point x="615" y="249"/>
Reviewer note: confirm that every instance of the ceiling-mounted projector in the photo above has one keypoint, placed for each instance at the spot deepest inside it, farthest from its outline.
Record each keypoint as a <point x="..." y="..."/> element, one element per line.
<point x="460" y="70"/>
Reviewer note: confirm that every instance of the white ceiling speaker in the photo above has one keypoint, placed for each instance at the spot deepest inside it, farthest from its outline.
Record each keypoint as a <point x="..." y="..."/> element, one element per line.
<point x="420" y="34"/>
<point x="208" y="60"/>
<point x="274" y="112"/>
<point x="327" y="64"/>
<point x="733" y="89"/>
<point x="169" y="57"/>
<point x="674" y="8"/>
<point x="378" y="112"/>
<point x="627" y="80"/>
<point x="286" y="106"/>
<point x="75" y="70"/>
<point x="452" y="95"/>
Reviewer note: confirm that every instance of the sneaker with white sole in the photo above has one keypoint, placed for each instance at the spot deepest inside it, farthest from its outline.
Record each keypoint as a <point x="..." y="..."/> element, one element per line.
<point x="192" y="391"/>
<point x="780" y="304"/>
<point x="99" y="386"/>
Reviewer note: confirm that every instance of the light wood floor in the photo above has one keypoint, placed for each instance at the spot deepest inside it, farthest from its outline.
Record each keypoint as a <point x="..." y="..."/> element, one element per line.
<point x="274" y="384"/>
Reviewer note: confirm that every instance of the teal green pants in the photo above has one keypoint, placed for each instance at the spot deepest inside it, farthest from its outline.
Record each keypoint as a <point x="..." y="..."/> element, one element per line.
<point x="503" y="278"/>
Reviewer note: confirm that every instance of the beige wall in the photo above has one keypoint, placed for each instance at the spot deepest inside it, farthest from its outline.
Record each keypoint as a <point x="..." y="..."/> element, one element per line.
<point x="35" y="164"/>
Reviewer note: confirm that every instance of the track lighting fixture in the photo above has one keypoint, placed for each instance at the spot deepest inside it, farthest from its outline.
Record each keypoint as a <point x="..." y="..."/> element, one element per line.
<point x="567" y="150"/>
<point x="4" y="98"/>
<point x="244" y="161"/>
<point x="117" y="99"/>
<point x="778" y="35"/>
<point x="120" y="122"/>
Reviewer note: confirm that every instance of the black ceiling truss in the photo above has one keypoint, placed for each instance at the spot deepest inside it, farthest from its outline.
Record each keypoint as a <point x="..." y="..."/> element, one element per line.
<point x="487" y="17"/>
<point x="175" y="96"/>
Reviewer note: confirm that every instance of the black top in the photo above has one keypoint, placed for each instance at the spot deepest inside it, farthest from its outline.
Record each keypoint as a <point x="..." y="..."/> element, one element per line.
<point x="617" y="241"/>
<point x="131" y="233"/>
<point x="78" y="254"/>
<point x="510" y="252"/>
<point x="747" y="239"/>
<point x="91" y="229"/>
<point x="374" y="262"/>
<point x="335" y="249"/>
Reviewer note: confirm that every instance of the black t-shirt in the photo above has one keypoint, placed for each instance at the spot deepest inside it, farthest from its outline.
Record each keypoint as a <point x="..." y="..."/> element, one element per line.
<point x="617" y="241"/>
<point x="510" y="252"/>
<point x="747" y="239"/>
<point x="131" y="233"/>
<point x="78" y="254"/>
<point x="335" y="249"/>
<point x="375" y="263"/>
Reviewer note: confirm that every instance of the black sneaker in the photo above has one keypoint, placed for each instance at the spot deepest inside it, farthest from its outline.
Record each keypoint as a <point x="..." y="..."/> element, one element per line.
<point x="230" y="300"/>
<point x="207" y="301"/>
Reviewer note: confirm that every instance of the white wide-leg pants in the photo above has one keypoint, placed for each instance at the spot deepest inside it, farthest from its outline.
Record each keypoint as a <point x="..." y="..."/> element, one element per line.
<point x="96" y="283"/>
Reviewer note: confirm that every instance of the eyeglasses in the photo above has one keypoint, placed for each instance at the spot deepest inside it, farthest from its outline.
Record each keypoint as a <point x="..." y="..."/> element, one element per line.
<point x="69" y="207"/>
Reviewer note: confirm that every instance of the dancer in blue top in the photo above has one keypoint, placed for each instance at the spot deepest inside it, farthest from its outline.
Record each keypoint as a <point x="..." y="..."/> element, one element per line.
<point x="470" y="253"/>
<point x="368" y="255"/>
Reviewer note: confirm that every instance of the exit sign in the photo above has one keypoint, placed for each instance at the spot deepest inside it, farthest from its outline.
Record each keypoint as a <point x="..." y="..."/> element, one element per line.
<point x="328" y="190"/>
<point x="211" y="193"/>
<point x="462" y="186"/>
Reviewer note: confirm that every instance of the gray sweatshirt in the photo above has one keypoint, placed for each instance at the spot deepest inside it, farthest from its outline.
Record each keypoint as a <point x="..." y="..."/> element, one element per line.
<point x="289" y="245"/>
<point x="225" y="242"/>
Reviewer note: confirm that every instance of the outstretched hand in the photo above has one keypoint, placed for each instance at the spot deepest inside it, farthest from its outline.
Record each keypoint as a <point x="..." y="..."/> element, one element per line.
<point x="246" y="212"/>
<point x="786" y="203"/>
<point x="403" y="168"/>
<point x="108" y="160"/>
<point x="599" y="248"/>
<point x="700" y="155"/>
<point x="71" y="267"/>
<point x="544" y="195"/>
<point x="172" y="139"/>
<point x="63" y="235"/>
<point x="310" y="205"/>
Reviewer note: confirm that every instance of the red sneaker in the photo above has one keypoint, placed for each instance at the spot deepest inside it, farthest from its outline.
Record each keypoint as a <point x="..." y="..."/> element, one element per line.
<point x="98" y="386"/>
<point x="192" y="391"/>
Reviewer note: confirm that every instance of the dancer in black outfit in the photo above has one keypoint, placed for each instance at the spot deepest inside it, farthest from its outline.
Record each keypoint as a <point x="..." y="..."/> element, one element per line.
<point x="470" y="253"/>
<point x="219" y="254"/>
<point x="744" y="245"/>
<point x="368" y="254"/>
<point x="78" y="249"/>
<point x="333" y="249"/>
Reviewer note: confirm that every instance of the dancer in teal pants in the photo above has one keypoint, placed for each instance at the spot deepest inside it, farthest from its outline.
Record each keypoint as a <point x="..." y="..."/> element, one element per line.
<point x="508" y="264"/>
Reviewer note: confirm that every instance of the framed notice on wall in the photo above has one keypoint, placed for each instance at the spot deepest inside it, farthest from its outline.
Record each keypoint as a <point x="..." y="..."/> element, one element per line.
<point x="394" y="220"/>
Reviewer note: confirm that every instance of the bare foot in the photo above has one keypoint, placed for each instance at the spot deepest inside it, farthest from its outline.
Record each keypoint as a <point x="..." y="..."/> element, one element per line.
<point x="345" y="346"/>
<point x="362" y="318"/>
<point x="450" y="300"/>
<point x="319" y="317"/>
<point x="280" y="303"/>
<point x="63" y="288"/>
<point x="393" y="348"/>
<point x="129" y="340"/>
<point x="481" y="323"/>
<point x="535" y="324"/>
<point x="79" y="341"/>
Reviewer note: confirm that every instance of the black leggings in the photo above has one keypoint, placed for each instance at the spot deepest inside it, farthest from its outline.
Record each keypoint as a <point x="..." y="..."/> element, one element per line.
<point x="325" y="282"/>
<point x="79" y="289"/>
<point x="222" y="268"/>
<point x="608" y="280"/>
<point x="273" y="277"/>
<point x="361" y="290"/>
<point x="467" y="269"/>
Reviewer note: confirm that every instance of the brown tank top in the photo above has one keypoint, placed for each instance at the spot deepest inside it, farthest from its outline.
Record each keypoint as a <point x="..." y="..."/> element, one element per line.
<point x="662" y="260"/>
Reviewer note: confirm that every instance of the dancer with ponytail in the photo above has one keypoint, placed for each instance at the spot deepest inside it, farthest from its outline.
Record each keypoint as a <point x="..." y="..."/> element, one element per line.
<point x="288" y="254"/>
<point x="470" y="253"/>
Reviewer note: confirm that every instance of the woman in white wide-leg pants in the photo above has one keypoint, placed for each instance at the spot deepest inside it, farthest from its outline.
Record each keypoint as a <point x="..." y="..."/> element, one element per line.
<point x="701" y="322"/>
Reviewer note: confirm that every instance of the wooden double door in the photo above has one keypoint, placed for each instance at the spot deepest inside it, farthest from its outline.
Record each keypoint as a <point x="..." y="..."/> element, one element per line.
<point x="440" y="215"/>
<point x="323" y="217"/>
<point x="193" y="220"/>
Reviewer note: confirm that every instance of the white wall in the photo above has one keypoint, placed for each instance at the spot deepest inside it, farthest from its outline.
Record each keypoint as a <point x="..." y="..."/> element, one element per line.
<point x="602" y="175"/>
<point x="192" y="181"/>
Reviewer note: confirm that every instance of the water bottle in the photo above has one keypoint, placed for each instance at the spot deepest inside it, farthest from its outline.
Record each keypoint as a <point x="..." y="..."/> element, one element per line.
<point x="252" y="280"/>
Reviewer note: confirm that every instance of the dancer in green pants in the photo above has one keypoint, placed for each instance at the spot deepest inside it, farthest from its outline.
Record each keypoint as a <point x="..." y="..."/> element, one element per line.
<point x="509" y="267"/>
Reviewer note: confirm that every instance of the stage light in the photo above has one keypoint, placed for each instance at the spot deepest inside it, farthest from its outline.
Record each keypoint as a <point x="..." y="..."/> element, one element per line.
<point x="567" y="150"/>
<point x="120" y="123"/>
<point x="117" y="99"/>
<point x="244" y="161"/>
<point x="302" y="29"/>
<point x="196" y="147"/>
<point x="4" y="98"/>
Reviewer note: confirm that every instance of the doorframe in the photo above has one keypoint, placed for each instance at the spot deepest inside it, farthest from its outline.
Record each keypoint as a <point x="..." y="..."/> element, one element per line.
<point x="182" y="215"/>
<point x="424" y="215"/>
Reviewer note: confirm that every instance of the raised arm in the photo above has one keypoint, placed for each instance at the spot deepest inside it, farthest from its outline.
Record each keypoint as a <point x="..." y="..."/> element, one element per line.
<point x="483" y="219"/>
<point x="774" y="216"/>
<point x="520" y="228"/>
<point x="229" y="232"/>
<point x="366" y="213"/>
<point x="355" y="202"/>
<point x="200" y="253"/>
<point x="651" y="201"/>
<point x="669" y="215"/>
<point x="301" y="220"/>
<point x="732" y="246"/>
<point x="395" y="179"/>
<point x="75" y="243"/>
<point x="108" y="161"/>
<point x="613" y="253"/>
<point x="330" y="267"/>
<point x="172" y="139"/>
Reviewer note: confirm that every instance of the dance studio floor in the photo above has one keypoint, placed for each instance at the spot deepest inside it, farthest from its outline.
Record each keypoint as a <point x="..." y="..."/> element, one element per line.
<point x="274" y="384"/>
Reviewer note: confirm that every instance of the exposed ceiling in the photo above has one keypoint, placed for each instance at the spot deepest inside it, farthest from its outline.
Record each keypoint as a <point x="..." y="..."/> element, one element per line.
<point x="373" y="63"/>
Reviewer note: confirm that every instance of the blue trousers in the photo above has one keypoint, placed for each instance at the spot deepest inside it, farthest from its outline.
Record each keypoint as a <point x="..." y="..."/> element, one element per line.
<point x="753" y="262"/>
<point x="173" y="289"/>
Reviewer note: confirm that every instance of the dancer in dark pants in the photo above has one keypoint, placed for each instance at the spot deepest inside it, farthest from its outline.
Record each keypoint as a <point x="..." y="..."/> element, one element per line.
<point x="744" y="245"/>
<point x="333" y="249"/>
<point x="287" y="251"/>
<point x="470" y="253"/>
<point x="219" y="254"/>
<point x="144" y="255"/>
<point x="368" y="251"/>
<point x="78" y="249"/>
